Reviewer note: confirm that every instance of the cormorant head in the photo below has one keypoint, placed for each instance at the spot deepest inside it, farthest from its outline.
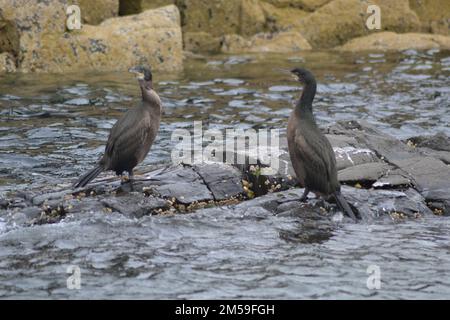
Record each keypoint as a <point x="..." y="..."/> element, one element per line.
<point x="142" y="73"/>
<point x="303" y="75"/>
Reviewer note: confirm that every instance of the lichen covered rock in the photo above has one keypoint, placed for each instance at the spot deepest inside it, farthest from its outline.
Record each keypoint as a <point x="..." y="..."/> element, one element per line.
<point x="433" y="14"/>
<point x="341" y="20"/>
<point x="7" y="63"/>
<point x="138" y="6"/>
<point x="95" y="12"/>
<point x="391" y="41"/>
<point x="277" y="43"/>
<point x="41" y="42"/>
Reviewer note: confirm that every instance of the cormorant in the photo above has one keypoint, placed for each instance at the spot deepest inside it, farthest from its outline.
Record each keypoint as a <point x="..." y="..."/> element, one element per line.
<point x="132" y="136"/>
<point x="310" y="151"/>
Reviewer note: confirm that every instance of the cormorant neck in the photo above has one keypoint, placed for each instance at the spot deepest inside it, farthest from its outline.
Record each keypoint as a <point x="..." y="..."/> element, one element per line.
<point x="145" y="85"/>
<point x="306" y="100"/>
<point x="149" y="95"/>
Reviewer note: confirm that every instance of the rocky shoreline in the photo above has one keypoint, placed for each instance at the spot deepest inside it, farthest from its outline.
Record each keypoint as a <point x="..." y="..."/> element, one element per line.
<point x="384" y="178"/>
<point x="117" y="34"/>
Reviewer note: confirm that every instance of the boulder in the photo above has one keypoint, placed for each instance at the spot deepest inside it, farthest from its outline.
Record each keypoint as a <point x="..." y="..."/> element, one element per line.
<point x="433" y="14"/>
<point x="391" y="41"/>
<point x="43" y="45"/>
<point x="308" y="5"/>
<point x="280" y="42"/>
<point x="218" y="17"/>
<point x="138" y="6"/>
<point x="341" y="20"/>
<point x="95" y="12"/>
<point x="22" y="34"/>
<point x="201" y="42"/>
<point x="7" y="62"/>
<point x="282" y="19"/>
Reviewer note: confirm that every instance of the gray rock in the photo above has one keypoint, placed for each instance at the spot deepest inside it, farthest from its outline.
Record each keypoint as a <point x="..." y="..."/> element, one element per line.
<point x="366" y="172"/>
<point x="222" y="180"/>
<point x="183" y="184"/>
<point x="136" y="204"/>
<point x="438" y="142"/>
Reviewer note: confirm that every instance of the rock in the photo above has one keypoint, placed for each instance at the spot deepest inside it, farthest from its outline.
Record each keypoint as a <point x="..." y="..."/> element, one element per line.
<point x="182" y="184"/>
<point x="341" y="20"/>
<point x="393" y="179"/>
<point x="281" y="42"/>
<point x="397" y="42"/>
<point x="222" y="180"/>
<point x="365" y="173"/>
<point x="433" y="14"/>
<point x="41" y="43"/>
<point x="4" y="203"/>
<point x="437" y="146"/>
<point x="32" y="212"/>
<point x="201" y="42"/>
<point x="136" y="205"/>
<point x="7" y="62"/>
<point x="218" y="17"/>
<point x="373" y="204"/>
<point x="138" y="6"/>
<point x="350" y="156"/>
<point x="95" y="12"/>
<point x="309" y="5"/>
<point x="439" y="142"/>
<point x="282" y="19"/>
<point x="23" y="34"/>
<point x="427" y="174"/>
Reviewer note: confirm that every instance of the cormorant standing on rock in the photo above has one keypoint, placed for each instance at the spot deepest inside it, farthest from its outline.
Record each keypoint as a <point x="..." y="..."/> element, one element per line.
<point x="311" y="153"/>
<point x="132" y="136"/>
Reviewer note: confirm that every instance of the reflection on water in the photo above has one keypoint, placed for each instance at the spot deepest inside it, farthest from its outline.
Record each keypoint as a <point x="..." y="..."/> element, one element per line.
<point x="53" y="127"/>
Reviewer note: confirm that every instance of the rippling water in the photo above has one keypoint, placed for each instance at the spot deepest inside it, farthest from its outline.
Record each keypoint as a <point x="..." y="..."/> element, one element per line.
<point x="53" y="127"/>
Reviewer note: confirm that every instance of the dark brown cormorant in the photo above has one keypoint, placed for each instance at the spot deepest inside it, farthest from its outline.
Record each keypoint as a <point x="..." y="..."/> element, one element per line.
<point x="311" y="153"/>
<point x="132" y="136"/>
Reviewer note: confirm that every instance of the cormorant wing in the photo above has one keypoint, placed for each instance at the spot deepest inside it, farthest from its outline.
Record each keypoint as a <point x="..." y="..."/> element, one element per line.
<point x="128" y="134"/>
<point x="314" y="152"/>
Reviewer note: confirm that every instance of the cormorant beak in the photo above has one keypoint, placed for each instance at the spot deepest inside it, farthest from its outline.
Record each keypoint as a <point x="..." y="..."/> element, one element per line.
<point x="139" y="74"/>
<point x="289" y="72"/>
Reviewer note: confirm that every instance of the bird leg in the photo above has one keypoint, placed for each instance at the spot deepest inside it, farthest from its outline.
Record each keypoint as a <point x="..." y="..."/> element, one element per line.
<point x="304" y="197"/>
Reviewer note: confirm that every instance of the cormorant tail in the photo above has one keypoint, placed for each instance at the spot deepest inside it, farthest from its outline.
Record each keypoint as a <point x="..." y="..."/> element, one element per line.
<point x="343" y="205"/>
<point x="88" y="177"/>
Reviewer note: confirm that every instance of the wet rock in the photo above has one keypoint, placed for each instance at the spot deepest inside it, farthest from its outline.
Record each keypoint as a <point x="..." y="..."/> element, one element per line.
<point x="367" y="172"/>
<point x="397" y="42"/>
<point x="7" y="62"/>
<point x="439" y="142"/>
<point x="136" y="205"/>
<point x="183" y="184"/>
<point x="373" y="204"/>
<point x="40" y="199"/>
<point x="393" y="179"/>
<point x="280" y="42"/>
<point x="341" y="20"/>
<point x="32" y="212"/>
<point x="350" y="156"/>
<point x="3" y="203"/>
<point x="427" y="174"/>
<point x="223" y="181"/>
